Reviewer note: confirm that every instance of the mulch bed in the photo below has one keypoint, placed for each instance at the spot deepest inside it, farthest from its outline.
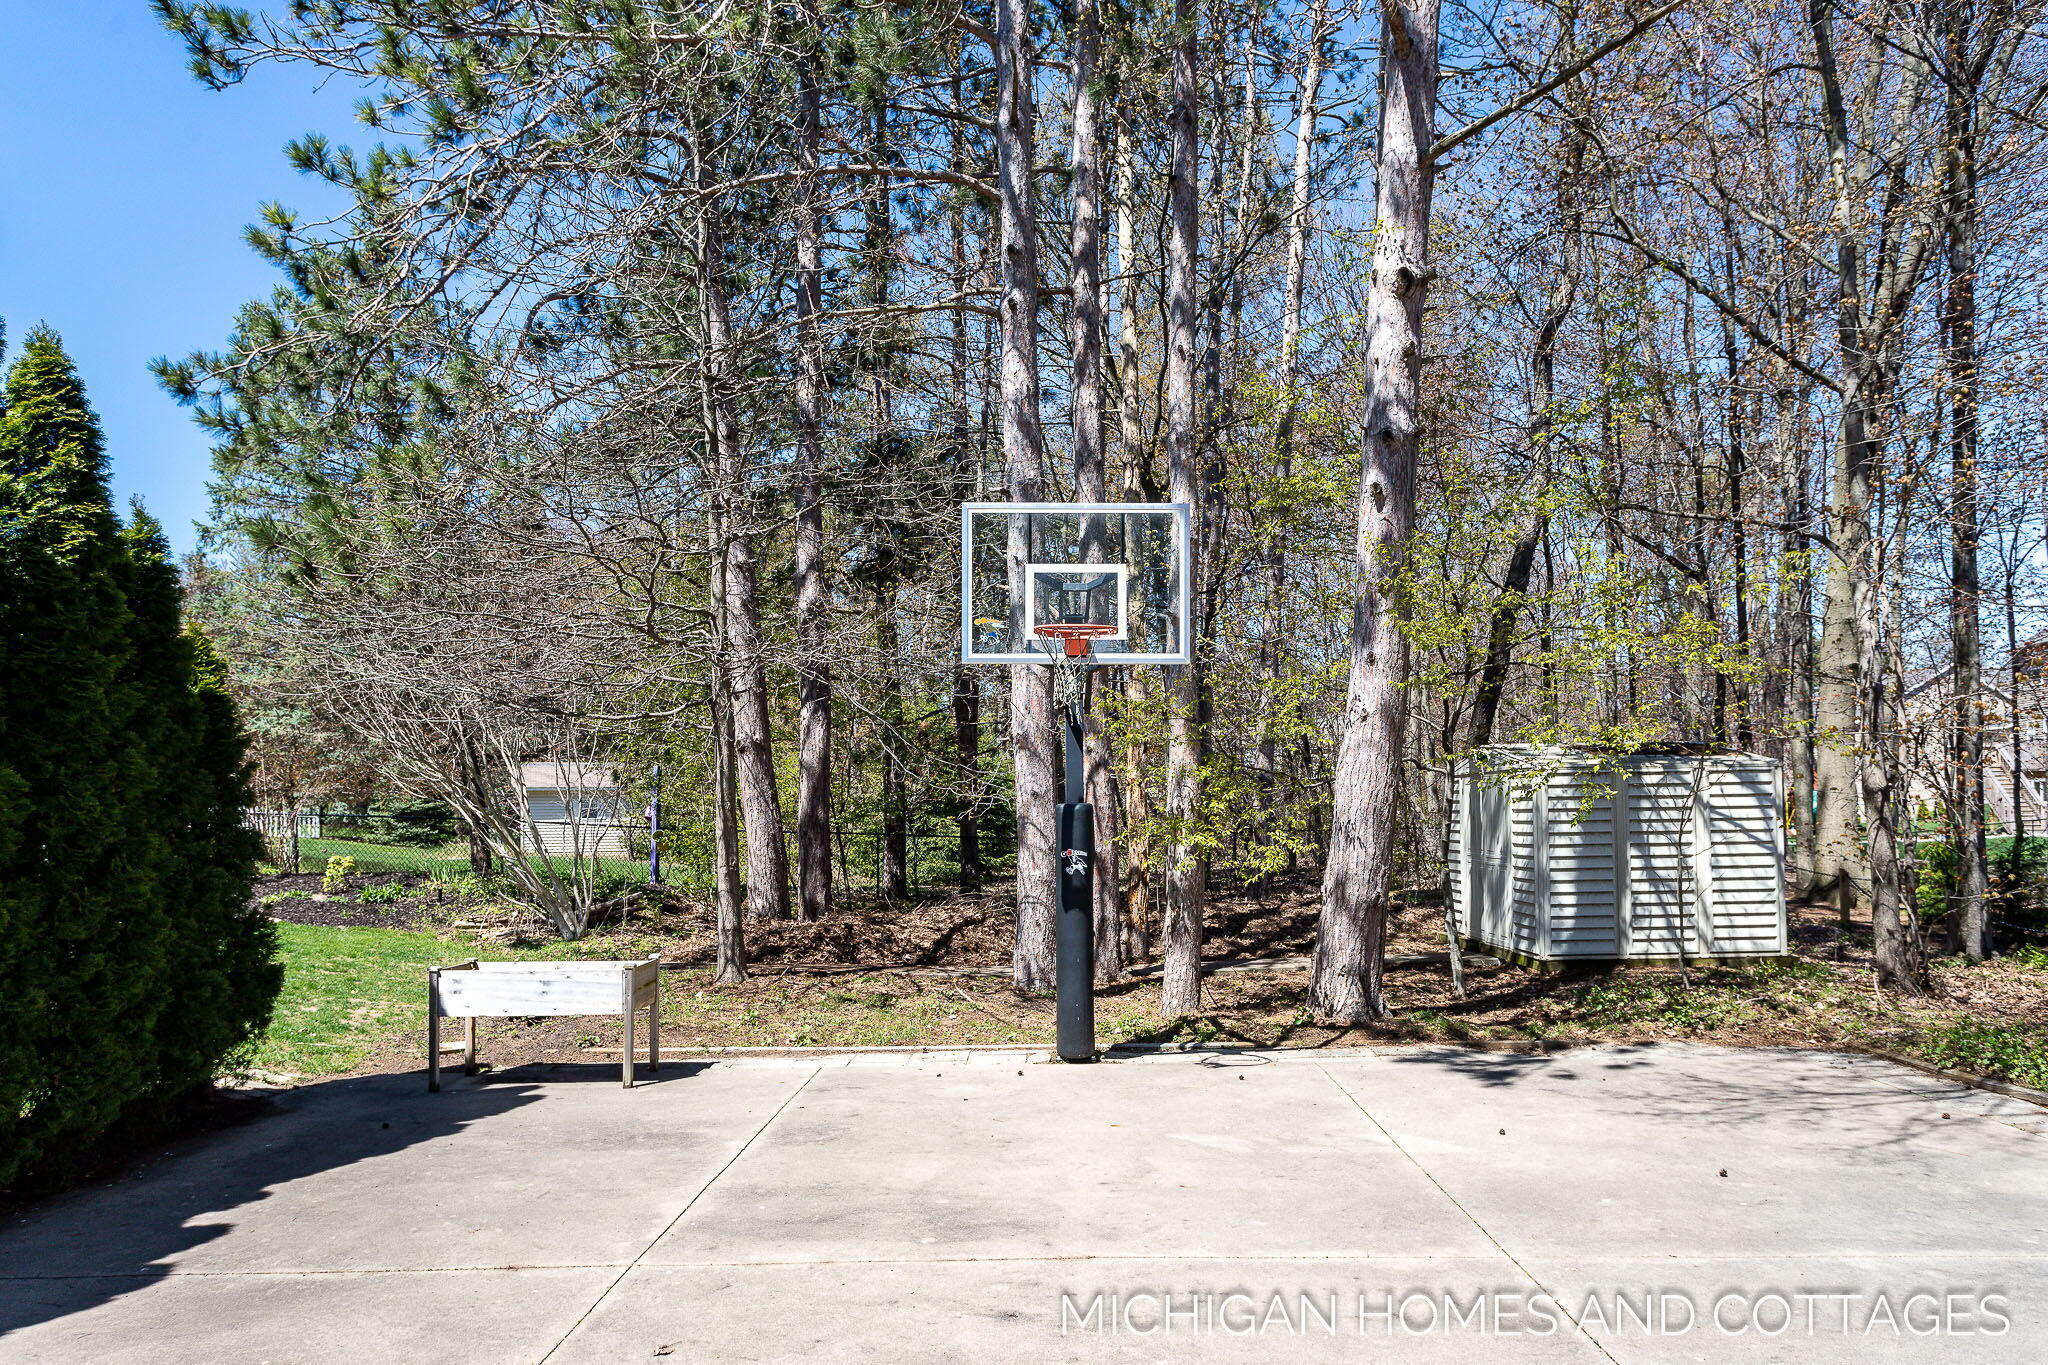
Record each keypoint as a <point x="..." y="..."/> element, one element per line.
<point x="423" y="907"/>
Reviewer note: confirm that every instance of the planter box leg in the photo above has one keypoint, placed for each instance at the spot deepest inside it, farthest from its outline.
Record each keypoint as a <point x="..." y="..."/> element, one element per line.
<point x="433" y="1036"/>
<point x="626" y="1055"/>
<point x="654" y="1028"/>
<point x="469" y="1046"/>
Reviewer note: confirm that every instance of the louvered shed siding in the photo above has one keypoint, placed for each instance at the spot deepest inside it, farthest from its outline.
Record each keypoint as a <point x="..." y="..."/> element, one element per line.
<point x="1525" y="922"/>
<point x="549" y="829"/>
<point x="1454" y="852"/>
<point x="1697" y="841"/>
<point x="1580" y="835"/>
<point x="1748" y="868"/>
<point x="570" y="838"/>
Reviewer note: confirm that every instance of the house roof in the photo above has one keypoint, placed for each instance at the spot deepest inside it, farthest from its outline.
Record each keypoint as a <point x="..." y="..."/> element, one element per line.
<point x="568" y="777"/>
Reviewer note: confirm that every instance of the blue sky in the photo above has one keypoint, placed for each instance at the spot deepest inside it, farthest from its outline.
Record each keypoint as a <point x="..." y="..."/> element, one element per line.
<point x="124" y="189"/>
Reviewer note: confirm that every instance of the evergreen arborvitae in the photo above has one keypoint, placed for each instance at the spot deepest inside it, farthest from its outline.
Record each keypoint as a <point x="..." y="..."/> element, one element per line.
<point x="124" y="872"/>
<point x="220" y="997"/>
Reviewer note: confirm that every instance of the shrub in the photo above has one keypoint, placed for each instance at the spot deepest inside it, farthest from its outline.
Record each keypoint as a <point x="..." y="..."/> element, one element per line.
<point x="132" y="966"/>
<point x="407" y="824"/>
<point x="385" y="894"/>
<point x="339" y="869"/>
<point x="469" y="886"/>
<point x="2017" y="893"/>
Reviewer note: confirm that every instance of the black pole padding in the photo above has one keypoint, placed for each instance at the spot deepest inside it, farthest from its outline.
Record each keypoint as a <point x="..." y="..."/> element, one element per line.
<point x="1076" y="979"/>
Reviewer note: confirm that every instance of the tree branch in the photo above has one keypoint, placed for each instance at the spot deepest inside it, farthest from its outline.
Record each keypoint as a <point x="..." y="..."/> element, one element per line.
<point x="1443" y="146"/>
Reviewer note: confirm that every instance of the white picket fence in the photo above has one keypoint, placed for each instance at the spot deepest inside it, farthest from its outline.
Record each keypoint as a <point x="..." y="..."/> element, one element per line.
<point x="279" y="824"/>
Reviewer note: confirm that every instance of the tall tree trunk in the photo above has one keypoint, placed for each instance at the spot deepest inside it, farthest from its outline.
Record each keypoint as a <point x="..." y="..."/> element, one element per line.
<point x="1300" y="191"/>
<point x="1792" y="414"/>
<point x="878" y="246"/>
<point x="1086" y="336"/>
<point x="814" y="672"/>
<point x="745" y="659"/>
<point x="1899" y="953"/>
<point x="1031" y="711"/>
<point x="1135" y="789"/>
<point x="967" y="754"/>
<point x="1967" y="923"/>
<point x="1737" y="455"/>
<point x="1181" y="988"/>
<point x="1345" y="981"/>
<point x="729" y="921"/>
<point x="1839" y="870"/>
<point x="967" y="693"/>
<point x="1852" y="699"/>
<point x="895" y="880"/>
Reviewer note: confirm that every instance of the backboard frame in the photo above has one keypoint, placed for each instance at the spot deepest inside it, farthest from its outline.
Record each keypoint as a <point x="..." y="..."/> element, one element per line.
<point x="1184" y="595"/>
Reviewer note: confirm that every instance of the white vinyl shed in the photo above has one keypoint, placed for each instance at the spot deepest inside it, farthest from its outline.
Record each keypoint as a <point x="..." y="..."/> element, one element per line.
<point x="1559" y="856"/>
<point x="571" y="808"/>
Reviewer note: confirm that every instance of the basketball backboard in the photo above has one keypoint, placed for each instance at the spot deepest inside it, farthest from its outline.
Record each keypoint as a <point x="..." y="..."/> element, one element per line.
<point x="1119" y="569"/>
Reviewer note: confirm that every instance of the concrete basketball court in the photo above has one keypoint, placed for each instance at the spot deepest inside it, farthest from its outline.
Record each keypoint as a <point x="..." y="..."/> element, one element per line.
<point x="991" y="1206"/>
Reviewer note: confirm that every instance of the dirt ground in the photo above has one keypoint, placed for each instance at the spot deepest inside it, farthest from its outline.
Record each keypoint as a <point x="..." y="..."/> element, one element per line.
<point x="934" y="972"/>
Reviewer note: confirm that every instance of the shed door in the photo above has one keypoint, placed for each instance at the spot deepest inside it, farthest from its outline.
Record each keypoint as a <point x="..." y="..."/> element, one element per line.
<point x="1493" y="859"/>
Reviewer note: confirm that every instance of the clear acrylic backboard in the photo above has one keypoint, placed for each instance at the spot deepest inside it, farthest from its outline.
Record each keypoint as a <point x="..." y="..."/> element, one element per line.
<point x="1119" y="569"/>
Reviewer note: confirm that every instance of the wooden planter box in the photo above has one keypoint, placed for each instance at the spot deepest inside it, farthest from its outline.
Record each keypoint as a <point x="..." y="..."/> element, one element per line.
<point x="472" y="990"/>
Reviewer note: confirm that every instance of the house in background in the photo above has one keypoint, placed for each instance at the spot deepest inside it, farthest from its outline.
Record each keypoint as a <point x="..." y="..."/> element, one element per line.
<point x="2015" y="734"/>
<point x="572" y="808"/>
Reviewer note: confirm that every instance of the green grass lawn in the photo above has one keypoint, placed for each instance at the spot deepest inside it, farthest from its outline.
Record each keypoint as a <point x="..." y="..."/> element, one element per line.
<point x="344" y="989"/>
<point x="447" y="861"/>
<point x="349" y="992"/>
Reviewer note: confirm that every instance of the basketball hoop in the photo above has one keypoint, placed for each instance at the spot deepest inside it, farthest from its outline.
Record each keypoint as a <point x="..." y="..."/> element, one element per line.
<point x="1075" y="635"/>
<point x="1075" y="586"/>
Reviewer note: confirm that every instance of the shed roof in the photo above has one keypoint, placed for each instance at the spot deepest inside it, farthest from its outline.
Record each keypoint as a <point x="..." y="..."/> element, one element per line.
<point x="1584" y="755"/>
<point x="568" y="777"/>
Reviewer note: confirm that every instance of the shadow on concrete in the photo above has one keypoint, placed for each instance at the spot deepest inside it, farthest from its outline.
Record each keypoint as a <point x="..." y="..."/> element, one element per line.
<point x="95" y="1244"/>
<point x="584" y="1073"/>
<point x="1831" y="1099"/>
<point x="1500" y="1068"/>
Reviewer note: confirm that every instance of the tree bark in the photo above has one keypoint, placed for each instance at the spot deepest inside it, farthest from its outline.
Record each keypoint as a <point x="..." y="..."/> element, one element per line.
<point x="1839" y="871"/>
<point x="1181" y="987"/>
<point x="745" y="661"/>
<point x="1023" y="444"/>
<point x="1799" y="636"/>
<point x="729" y="921"/>
<point x="1086" y="338"/>
<point x="1967" y="925"/>
<point x="967" y="750"/>
<point x="814" y="671"/>
<point x="967" y="690"/>
<point x="1345" y="981"/>
<point x="1851" y="689"/>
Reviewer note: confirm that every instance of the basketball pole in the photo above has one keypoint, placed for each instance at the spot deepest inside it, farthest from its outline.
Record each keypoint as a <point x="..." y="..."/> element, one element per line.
<point x="1075" y="830"/>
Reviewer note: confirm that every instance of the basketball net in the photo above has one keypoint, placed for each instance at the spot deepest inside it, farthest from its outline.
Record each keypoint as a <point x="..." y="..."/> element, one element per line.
<point x="1067" y="646"/>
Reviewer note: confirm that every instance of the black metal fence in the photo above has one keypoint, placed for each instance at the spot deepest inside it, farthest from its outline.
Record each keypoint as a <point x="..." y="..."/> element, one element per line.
<point x="321" y="842"/>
